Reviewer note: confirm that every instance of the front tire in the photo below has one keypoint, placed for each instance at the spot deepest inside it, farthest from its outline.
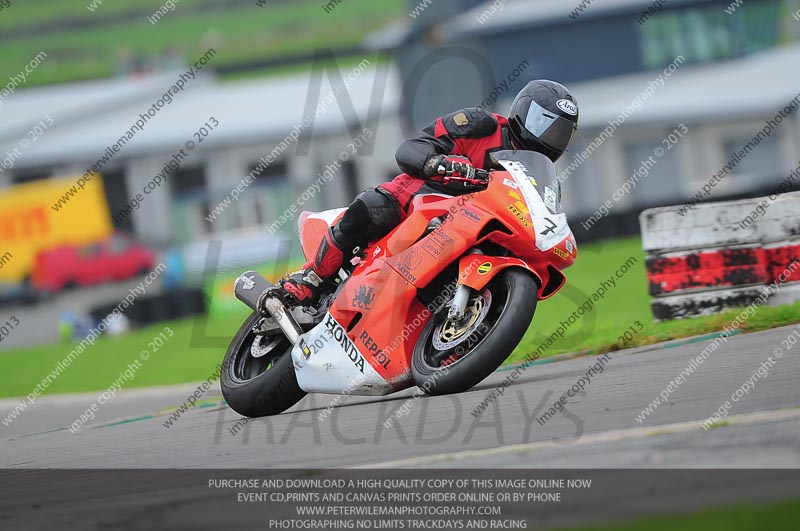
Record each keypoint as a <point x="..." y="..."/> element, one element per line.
<point x="263" y="385"/>
<point x="445" y="362"/>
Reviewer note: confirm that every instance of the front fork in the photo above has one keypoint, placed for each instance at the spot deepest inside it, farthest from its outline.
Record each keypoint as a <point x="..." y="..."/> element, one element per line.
<point x="458" y="305"/>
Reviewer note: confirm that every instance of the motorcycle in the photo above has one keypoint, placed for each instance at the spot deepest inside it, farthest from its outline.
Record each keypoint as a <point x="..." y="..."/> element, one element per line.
<point x="440" y="302"/>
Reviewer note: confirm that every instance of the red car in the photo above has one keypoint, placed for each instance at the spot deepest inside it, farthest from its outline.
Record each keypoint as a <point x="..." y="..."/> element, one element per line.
<point x="118" y="258"/>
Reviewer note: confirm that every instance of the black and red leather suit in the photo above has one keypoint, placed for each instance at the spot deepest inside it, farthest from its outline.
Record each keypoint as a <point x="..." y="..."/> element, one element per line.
<point x="472" y="133"/>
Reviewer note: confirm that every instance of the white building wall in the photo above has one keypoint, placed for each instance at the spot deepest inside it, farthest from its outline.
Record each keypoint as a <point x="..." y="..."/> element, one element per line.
<point x="152" y="222"/>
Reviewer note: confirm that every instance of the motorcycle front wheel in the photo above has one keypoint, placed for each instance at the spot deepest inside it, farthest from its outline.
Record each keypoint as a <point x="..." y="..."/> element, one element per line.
<point x="452" y="357"/>
<point x="257" y="377"/>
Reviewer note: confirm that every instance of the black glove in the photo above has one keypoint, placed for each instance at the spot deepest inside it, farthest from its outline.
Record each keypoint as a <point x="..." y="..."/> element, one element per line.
<point x="441" y="167"/>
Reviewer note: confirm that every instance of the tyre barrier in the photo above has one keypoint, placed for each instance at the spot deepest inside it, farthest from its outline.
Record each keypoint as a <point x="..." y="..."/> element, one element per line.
<point x="718" y="256"/>
<point x="153" y="309"/>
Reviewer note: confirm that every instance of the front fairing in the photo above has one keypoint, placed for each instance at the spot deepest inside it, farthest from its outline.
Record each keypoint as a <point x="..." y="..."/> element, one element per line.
<point x="537" y="183"/>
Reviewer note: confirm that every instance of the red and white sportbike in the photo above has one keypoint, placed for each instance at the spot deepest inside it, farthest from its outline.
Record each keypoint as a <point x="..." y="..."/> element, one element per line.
<point x="440" y="302"/>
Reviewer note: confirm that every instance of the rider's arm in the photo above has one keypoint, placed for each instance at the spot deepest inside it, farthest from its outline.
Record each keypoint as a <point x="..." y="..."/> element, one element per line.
<point x="443" y="137"/>
<point x="413" y="153"/>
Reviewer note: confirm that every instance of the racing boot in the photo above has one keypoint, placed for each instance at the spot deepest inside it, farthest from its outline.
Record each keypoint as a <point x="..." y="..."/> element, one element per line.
<point x="304" y="287"/>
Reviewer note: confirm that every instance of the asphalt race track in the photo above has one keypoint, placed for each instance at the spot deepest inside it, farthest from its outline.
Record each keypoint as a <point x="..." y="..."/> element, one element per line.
<point x="597" y="429"/>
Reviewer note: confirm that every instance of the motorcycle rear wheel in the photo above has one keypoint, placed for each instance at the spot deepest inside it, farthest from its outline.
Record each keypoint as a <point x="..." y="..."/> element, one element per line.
<point x="511" y="297"/>
<point x="259" y="386"/>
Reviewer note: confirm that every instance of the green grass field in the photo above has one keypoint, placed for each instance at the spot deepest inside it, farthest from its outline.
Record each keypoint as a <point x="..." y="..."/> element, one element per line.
<point x="739" y="518"/>
<point x="78" y="47"/>
<point x="184" y="360"/>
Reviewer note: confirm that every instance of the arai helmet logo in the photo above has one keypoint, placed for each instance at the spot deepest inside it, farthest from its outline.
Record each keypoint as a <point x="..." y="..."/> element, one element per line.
<point x="567" y="106"/>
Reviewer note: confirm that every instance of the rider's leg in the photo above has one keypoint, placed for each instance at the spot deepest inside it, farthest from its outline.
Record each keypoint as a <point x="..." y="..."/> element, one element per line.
<point x="371" y="216"/>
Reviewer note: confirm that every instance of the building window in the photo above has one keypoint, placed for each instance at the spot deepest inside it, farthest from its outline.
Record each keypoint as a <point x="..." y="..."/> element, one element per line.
<point x="273" y="174"/>
<point x="191" y="203"/>
<point x="705" y="34"/>
<point x="189" y="182"/>
<point x="270" y="196"/>
<point x="116" y="191"/>
<point x="349" y="179"/>
<point x="658" y="179"/>
<point x="763" y="160"/>
<point x="759" y="26"/>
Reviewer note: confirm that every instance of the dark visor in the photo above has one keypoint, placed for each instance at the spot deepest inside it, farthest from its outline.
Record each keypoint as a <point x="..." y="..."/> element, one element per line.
<point x="548" y="128"/>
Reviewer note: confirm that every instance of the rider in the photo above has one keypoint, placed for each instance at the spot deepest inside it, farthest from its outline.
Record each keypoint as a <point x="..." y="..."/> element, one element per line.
<point x="543" y="118"/>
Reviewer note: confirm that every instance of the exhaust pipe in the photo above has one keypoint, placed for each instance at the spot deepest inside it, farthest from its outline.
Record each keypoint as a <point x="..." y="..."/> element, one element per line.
<point x="249" y="287"/>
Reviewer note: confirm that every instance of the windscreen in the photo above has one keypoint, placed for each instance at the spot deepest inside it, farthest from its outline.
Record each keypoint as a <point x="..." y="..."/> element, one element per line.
<point x="541" y="173"/>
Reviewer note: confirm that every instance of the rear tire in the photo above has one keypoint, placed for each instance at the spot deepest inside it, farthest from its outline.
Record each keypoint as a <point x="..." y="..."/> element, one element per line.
<point x="257" y="387"/>
<point x="512" y="304"/>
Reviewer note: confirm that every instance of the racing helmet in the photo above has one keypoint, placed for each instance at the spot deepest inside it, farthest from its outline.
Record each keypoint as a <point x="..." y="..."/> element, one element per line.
<point x="543" y="118"/>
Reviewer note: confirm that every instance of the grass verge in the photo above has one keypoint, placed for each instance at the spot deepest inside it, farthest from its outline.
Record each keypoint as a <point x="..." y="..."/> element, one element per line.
<point x="738" y="518"/>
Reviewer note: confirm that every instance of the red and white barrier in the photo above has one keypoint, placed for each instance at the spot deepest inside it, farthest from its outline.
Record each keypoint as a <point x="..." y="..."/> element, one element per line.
<point x="718" y="256"/>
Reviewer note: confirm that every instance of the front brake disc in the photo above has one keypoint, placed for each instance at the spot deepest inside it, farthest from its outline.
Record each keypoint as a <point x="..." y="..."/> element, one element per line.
<point x="449" y="334"/>
<point x="262" y="345"/>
